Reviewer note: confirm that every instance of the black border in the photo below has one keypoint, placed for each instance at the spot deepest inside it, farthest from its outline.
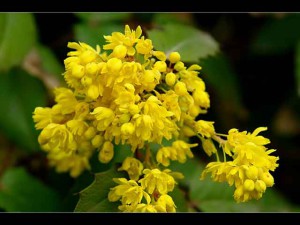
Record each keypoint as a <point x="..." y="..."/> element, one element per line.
<point x="145" y="218"/>
<point x="149" y="6"/>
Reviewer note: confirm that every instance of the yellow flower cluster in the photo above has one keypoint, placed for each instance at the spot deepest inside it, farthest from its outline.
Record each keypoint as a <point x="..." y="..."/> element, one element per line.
<point x="132" y="94"/>
<point x="249" y="169"/>
<point x="146" y="191"/>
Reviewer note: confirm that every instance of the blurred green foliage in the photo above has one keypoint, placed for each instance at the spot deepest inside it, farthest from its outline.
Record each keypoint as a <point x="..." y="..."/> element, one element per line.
<point x="30" y="69"/>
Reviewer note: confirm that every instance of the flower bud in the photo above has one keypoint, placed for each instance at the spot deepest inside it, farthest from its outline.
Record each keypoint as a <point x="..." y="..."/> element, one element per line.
<point x="174" y="57"/>
<point x="170" y="79"/>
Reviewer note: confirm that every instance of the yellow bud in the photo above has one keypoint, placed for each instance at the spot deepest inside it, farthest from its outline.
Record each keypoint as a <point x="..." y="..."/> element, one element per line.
<point x="91" y="68"/>
<point x="268" y="179"/>
<point x="97" y="141"/>
<point x="129" y="87"/>
<point x="194" y="110"/>
<point x="56" y="109"/>
<point x="194" y="67"/>
<point x="106" y="153"/>
<point x="170" y="79"/>
<point x="187" y="131"/>
<point x="114" y="65"/>
<point x="160" y="55"/>
<point x="86" y="81"/>
<point x="161" y="66"/>
<point x="93" y="92"/>
<point x="208" y="146"/>
<point x="137" y="98"/>
<point x="133" y="166"/>
<point x="124" y="118"/>
<point x="201" y="98"/>
<point x="239" y="191"/>
<point x="174" y="57"/>
<point x="134" y="109"/>
<point x="249" y="185"/>
<point x="149" y="76"/>
<point x="252" y="173"/>
<point x="87" y="57"/>
<point x="120" y="51"/>
<point x="180" y="88"/>
<point x="179" y="66"/>
<point x="44" y="136"/>
<point x="90" y="133"/>
<point x="127" y="128"/>
<point x="260" y="186"/>
<point x="78" y="71"/>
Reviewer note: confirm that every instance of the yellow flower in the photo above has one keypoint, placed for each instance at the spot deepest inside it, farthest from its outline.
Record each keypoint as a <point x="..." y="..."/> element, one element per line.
<point x="135" y="95"/>
<point x="106" y="153"/>
<point x="144" y="46"/>
<point x="180" y="88"/>
<point x="75" y="163"/>
<point x="77" y="127"/>
<point x="129" y="193"/>
<point x="170" y="78"/>
<point x="208" y="146"/>
<point x="104" y="116"/>
<point x="249" y="149"/>
<point x="58" y="137"/>
<point x="133" y="167"/>
<point x="65" y="97"/>
<point x="183" y="150"/>
<point x="42" y="117"/>
<point x="250" y="181"/>
<point x="164" y="155"/>
<point x="166" y="203"/>
<point x="205" y="128"/>
<point x="156" y="180"/>
<point x="128" y="39"/>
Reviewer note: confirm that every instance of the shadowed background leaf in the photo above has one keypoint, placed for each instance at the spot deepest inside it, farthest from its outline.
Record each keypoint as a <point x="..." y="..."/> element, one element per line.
<point x="192" y="44"/>
<point x="21" y="192"/>
<point x="14" y="26"/>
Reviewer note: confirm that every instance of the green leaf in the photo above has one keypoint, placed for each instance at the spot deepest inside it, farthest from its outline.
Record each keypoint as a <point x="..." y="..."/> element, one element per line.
<point x="94" y="197"/>
<point x="21" y="192"/>
<point x="72" y="196"/>
<point x="19" y="95"/>
<point x="50" y="63"/>
<point x="191" y="43"/>
<point x="93" y="35"/>
<point x="17" y="36"/>
<point x="277" y="35"/>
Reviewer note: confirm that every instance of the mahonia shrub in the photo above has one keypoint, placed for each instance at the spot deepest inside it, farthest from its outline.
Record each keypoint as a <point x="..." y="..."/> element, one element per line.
<point x="128" y="93"/>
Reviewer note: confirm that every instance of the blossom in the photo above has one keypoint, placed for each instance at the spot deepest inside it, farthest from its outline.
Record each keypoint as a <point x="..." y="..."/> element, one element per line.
<point x="250" y="168"/>
<point x="133" y="94"/>
<point x="156" y="180"/>
<point x="133" y="166"/>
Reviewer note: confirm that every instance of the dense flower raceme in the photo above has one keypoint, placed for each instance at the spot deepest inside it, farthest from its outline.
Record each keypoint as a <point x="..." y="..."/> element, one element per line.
<point x="132" y="94"/>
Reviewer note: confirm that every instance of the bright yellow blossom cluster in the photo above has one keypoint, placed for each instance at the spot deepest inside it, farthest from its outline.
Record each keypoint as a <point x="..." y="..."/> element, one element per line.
<point x="135" y="95"/>
<point x="146" y="190"/>
<point x="249" y="169"/>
